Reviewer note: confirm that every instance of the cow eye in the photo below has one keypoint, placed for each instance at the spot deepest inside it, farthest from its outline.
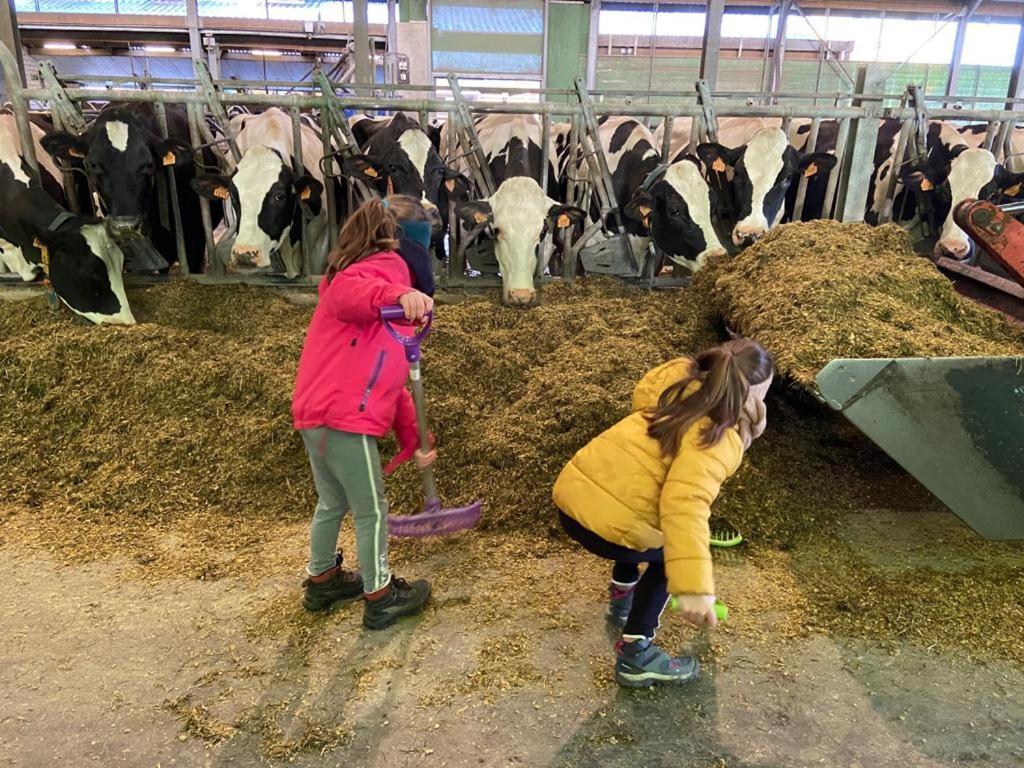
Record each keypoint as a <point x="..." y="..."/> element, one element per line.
<point x="279" y="196"/>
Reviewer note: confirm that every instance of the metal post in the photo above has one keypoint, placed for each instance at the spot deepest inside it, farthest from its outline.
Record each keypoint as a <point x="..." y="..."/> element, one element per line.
<point x="801" y="192"/>
<point x="859" y="167"/>
<point x="902" y="142"/>
<point x="214" y="264"/>
<point x="1016" y="80"/>
<point x="652" y="44"/>
<point x="192" y="19"/>
<point x="545" y="150"/>
<point x="12" y="78"/>
<point x="834" y="177"/>
<point x="571" y="172"/>
<point x="666" y="138"/>
<point x="179" y="234"/>
<point x="327" y="132"/>
<point x="11" y="37"/>
<point x="711" y="48"/>
<point x="958" y="48"/>
<point x="592" y="36"/>
<point x="780" y="47"/>
<point x="455" y="266"/>
<point x="361" y="42"/>
<point x="300" y="169"/>
<point x="391" y="70"/>
<point x="213" y="56"/>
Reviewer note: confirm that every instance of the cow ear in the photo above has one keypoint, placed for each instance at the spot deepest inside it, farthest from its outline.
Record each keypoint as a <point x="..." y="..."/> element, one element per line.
<point x="562" y="216"/>
<point x="310" y="192"/>
<point x="172" y="152"/>
<point x="456" y="184"/>
<point x="958" y="149"/>
<point x="917" y="178"/>
<point x="816" y="164"/>
<point x="475" y="213"/>
<point x="211" y="186"/>
<point x="718" y="158"/>
<point x="640" y="207"/>
<point x="363" y="168"/>
<point x="64" y="146"/>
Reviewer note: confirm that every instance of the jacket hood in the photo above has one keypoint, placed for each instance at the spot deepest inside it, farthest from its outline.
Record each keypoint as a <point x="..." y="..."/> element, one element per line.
<point x="658" y="380"/>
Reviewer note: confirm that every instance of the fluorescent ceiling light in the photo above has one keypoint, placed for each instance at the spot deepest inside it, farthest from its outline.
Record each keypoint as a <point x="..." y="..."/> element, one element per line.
<point x="159" y="49"/>
<point x="60" y="46"/>
<point x="266" y="53"/>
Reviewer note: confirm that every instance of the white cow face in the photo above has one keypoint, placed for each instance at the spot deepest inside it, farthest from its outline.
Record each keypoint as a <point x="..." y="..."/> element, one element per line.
<point x="519" y="212"/>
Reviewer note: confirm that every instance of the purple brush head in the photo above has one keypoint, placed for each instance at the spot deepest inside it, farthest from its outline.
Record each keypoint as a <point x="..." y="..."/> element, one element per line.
<point x="434" y="521"/>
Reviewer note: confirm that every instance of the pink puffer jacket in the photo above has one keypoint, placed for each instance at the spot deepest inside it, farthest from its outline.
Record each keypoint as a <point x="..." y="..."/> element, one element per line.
<point x="352" y="374"/>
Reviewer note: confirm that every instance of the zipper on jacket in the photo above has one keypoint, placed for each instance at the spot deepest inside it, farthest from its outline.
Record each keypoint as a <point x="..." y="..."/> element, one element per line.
<point x="373" y="380"/>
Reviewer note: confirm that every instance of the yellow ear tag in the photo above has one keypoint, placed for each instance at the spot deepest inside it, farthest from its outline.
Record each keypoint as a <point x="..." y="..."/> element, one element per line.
<point x="44" y="253"/>
<point x="718" y="165"/>
<point x="450" y="185"/>
<point x="169" y="158"/>
<point x="75" y="152"/>
<point x="644" y="211"/>
<point x="811" y="170"/>
<point x="479" y="218"/>
<point x="563" y="221"/>
<point x="371" y="172"/>
<point x="926" y="185"/>
<point x="222" y="193"/>
<point x="1014" y="190"/>
<point x="306" y="194"/>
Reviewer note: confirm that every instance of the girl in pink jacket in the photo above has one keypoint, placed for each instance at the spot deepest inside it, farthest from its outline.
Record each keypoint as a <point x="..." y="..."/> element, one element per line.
<point x="349" y="392"/>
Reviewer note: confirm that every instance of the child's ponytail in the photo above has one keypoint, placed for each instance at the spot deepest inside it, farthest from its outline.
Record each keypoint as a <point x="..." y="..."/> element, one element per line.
<point x="371" y="229"/>
<point x="725" y="373"/>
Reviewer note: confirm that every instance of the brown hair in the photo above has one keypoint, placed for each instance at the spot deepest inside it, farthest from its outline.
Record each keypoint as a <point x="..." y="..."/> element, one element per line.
<point x="406" y="208"/>
<point x="371" y="229"/>
<point x="725" y="373"/>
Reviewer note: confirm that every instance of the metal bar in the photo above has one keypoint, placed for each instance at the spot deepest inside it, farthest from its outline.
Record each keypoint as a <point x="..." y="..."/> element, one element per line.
<point x="894" y="172"/>
<point x="545" y="151"/>
<point x="474" y="152"/>
<point x="327" y="129"/>
<point x="300" y="169"/>
<point x="601" y="179"/>
<point x="1014" y="90"/>
<point x="666" y="138"/>
<point x="212" y="100"/>
<point x="592" y="34"/>
<point x="11" y="38"/>
<point x="391" y="71"/>
<point x="179" y="233"/>
<point x="456" y="267"/>
<point x="652" y="45"/>
<point x="990" y="134"/>
<point x="361" y="40"/>
<point x="12" y="78"/>
<point x="70" y="187"/>
<point x="192" y="19"/>
<point x="571" y="171"/>
<point x="60" y="104"/>
<point x="214" y="264"/>
<point x="710" y="51"/>
<point x="708" y="111"/>
<point x="1003" y="148"/>
<point x="836" y="175"/>
<point x="958" y="47"/>
<point x="859" y="169"/>
<point x="780" y="47"/>
<point x="801" y="192"/>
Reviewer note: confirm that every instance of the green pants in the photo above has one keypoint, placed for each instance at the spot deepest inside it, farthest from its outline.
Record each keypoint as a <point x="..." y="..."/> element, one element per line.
<point x="347" y="472"/>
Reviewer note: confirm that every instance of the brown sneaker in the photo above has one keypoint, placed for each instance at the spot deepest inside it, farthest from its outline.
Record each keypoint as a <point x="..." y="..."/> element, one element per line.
<point x="335" y="585"/>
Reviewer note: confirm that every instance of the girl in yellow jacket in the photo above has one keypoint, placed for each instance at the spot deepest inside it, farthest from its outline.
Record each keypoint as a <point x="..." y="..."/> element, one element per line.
<point x="641" y="492"/>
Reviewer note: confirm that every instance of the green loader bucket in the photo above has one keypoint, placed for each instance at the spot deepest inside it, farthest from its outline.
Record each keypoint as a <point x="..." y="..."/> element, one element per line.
<point x="956" y="424"/>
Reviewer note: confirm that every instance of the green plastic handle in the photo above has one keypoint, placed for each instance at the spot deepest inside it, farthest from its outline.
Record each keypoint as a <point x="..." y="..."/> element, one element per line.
<point x="721" y="609"/>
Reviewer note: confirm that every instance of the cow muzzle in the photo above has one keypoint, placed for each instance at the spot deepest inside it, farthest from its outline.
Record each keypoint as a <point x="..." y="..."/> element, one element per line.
<point x="742" y="238"/>
<point x="122" y="224"/>
<point x="245" y="257"/>
<point x="521" y="297"/>
<point x="953" y="248"/>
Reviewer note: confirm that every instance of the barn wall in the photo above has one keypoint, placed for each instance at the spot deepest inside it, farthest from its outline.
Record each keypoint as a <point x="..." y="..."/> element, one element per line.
<point x="568" y="25"/>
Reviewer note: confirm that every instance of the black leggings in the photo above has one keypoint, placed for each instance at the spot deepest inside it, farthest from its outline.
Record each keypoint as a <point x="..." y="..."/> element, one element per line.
<point x="651" y="593"/>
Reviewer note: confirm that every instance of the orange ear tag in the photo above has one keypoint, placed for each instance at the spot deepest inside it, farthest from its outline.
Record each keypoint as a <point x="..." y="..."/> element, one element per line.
<point x="926" y="185"/>
<point x="563" y="221"/>
<point x="718" y="165"/>
<point x="222" y="193"/>
<point x="306" y="194"/>
<point x="1013" y="191"/>
<point x="644" y="211"/>
<point x="479" y="218"/>
<point x="371" y="172"/>
<point x="75" y="152"/>
<point x="169" y="158"/>
<point x="450" y="185"/>
<point x="44" y="254"/>
<point x="811" y="170"/>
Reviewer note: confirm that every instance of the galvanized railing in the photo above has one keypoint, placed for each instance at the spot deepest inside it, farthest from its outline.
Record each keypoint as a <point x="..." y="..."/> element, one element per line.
<point x="847" y="186"/>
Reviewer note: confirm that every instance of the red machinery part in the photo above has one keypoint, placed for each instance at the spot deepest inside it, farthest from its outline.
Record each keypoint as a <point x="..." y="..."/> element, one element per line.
<point x="996" y="231"/>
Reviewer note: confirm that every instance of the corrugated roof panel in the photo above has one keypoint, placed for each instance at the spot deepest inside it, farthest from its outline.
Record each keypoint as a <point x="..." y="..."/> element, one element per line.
<point x="467" y="18"/>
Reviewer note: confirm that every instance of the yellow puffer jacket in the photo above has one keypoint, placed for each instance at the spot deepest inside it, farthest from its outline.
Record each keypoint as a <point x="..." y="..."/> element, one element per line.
<point x="620" y="487"/>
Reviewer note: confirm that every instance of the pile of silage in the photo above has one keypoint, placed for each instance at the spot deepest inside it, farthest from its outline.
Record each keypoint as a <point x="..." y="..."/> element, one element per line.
<point x="816" y="291"/>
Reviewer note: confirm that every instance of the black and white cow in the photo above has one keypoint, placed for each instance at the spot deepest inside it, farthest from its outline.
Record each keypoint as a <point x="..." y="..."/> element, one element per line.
<point x="268" y="198"/>
<point x="400" y="158"/>
<point x="519" y="212"/>
<point x="124" y="158"/>
<point x="952" y="172"/>
<point x="761" y="171"/>
<point x="37" y="235"/>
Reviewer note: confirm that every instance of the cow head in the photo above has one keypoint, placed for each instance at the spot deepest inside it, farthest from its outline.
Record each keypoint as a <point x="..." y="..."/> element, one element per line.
<point x="268" y="198"/>
<point x="970" y="173"/>
<point x="761" y="174"/>
<point x="84" y="267"/>
<point x="519" y="213"/>
<point x="676" y="209"/>
<point x="121" y="158"/>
